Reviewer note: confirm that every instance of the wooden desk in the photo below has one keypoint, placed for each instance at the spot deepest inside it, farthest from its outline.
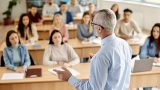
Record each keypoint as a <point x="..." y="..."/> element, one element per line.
<point x="49" y="20"/>
<point x="49" y="81"/>
<point x="43" y="31"/>
<point x="83" y="50"/>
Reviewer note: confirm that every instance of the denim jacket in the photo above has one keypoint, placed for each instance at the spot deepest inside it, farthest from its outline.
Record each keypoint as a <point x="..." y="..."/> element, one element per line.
<point x="24" y="55"/>
<point x="147" y="51"/>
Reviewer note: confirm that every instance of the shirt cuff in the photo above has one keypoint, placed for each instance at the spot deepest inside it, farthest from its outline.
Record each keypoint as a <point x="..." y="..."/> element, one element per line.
<point x="73" y="80"/>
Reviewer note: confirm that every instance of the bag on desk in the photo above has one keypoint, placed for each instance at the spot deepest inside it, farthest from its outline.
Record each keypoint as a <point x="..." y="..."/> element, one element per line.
<point x="34" y="72"/>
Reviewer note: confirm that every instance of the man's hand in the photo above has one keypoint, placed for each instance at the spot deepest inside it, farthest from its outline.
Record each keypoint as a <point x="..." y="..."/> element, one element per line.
<point x="155" y="60"/>
<point x="63" y="75"/>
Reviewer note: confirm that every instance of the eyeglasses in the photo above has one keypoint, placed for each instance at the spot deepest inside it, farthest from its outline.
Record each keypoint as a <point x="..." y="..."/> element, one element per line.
<point x="97" y="25"/>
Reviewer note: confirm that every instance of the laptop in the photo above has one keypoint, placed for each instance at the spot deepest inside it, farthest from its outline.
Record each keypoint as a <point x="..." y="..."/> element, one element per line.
<point x="142" y="65"/>
<point x="34" y="72"/>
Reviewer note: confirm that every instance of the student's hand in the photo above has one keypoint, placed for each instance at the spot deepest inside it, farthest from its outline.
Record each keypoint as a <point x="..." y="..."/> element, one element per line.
<point x="61" y="63"/>
<point x="125" y="37"/>
<point x="20" y="69"/>
<point x="86" y="40"/>
<point x="155" y="60"/>
<point x="63" y="75"/>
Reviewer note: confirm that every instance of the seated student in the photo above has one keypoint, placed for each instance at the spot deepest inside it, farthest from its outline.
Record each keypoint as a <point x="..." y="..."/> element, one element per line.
<point x="126" y="28"/>
<point x="84" y="4"/>
<point x="59" y="52"/>
<point x="59" y="25"/>
<point x="115" y="9"/>
<point x="85" y="30"/>
<point x="16" y="56"/>
<point x="151" y="47"/>
<point x="66" y="15"/>
<point x="49" y="9"/>
<point x="91" y="10"/>
<point x="27" y="30"/>
<point x="74" y="8"/>
<point x="34" y="16"/>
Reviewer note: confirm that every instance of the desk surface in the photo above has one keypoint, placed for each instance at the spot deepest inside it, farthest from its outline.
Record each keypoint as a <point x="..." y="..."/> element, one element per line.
<point x="75" y="43"/>
<point x="46" y="76"/>
<point x="137" y="79"/>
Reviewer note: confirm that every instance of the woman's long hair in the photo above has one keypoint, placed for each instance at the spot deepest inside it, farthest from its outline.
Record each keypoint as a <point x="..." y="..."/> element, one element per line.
<point x="21" y="25"/>
<point x="90" y="29"/>
<point x="117" y="12"/>
<point x="151" y="38"/>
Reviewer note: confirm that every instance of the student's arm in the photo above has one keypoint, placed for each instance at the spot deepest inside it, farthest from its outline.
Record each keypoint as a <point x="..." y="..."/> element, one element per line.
<point x="73" y="57"/>
<point x="70" y="17"/>
<point x="136" y="27"/>
<point x="44" y="11"/>
<point x="79" y="33"/>
<point x="35" y="33"/>
<point x="7" y="60"/>
<point x="47" y="57"/>
<point x="144" y="50"/>
<point x="117" y="28"/>
<point x="56" y="8"/>
<point x="98" y="76"/>
<point x="27" y="61"/>
<point x="66" y="34"/>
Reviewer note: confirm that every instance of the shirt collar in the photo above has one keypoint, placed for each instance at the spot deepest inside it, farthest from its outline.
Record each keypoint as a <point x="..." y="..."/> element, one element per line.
<point x="108" y="39"/>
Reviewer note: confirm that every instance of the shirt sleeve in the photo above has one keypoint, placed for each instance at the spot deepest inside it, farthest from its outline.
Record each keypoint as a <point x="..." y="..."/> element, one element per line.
<point x="79" y="33"/>
<point x="98" y="75"/>
<point x="44" y="10"/>
<point x="35" y="33"/>
<point x="73" y="57"/>
<point x="27" y="61"/>
<point x="66" y="34"/>
<point x="47" y="57"/>
<point x="117" y="28"/>
<point x="7" y="61"/>
<point x="144" y="49"/>
<point x="136" y="27"/>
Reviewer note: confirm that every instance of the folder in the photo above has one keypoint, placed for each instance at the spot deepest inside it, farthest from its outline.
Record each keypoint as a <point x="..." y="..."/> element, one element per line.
<point x="34" y="72"/>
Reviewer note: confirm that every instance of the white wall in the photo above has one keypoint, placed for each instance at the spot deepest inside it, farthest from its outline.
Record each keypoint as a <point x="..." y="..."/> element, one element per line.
<point x="146" y="16"/>
<point x="17" y="10"/>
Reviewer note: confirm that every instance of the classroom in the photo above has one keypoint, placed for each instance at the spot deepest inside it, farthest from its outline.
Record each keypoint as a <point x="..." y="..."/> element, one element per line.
<point x="79" y="45"/>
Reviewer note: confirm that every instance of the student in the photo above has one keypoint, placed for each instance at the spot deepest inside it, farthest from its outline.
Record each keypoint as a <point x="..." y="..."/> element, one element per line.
<point x="74" y="8"/>
<point x="66" y="15"/>
<point x="59" y="52"/>
<point x="151" y="47"/>
<point x="85" y="30"/>
<point x="127" y="28"/>
<point x="16" y="56"/>
<point x="91" y="10"/>
<point x="34" y="16"/>
<point x="59" y="25"/>
<point x="115" y="9"/>
<point x="84" y="4"/>
<point x="27" y="30"/>
<point x="49" y="9"/>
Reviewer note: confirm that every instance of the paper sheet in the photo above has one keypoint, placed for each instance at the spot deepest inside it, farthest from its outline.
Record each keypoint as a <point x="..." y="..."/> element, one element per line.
<point x="10" y="76"/>
<point x="156" y="64"/>
<point x="73" y="71"/>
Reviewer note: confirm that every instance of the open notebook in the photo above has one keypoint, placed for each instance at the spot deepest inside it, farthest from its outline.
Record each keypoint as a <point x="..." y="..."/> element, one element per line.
<point x="73" y="71"/>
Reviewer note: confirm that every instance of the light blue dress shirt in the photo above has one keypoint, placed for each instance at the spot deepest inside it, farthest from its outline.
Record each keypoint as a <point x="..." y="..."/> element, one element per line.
<point x="110" y="67"/>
